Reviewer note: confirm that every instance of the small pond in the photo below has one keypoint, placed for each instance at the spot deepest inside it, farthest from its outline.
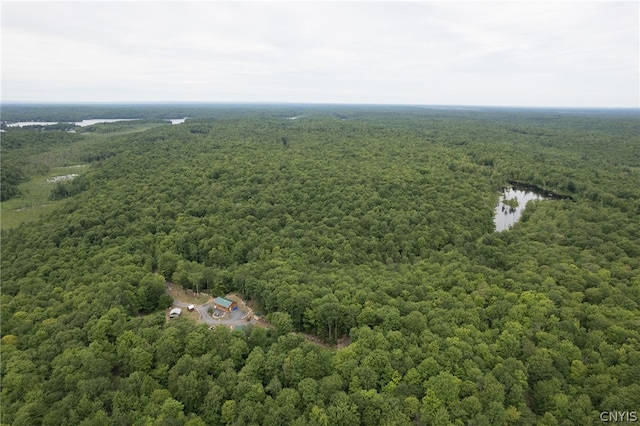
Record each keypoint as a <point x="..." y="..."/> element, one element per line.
<point x="511" y="205"/>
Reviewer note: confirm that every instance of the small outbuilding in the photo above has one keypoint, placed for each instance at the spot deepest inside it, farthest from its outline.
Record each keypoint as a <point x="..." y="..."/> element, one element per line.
<point x="175" y="312"/>
<point x="225" y="304"/>
<point x="191" y="308"/>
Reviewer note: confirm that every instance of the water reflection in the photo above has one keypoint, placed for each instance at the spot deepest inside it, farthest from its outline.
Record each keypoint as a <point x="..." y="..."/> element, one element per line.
<point x="31" y="123"/>
<point x="85" y="123"/>
<point x="511" y="205"/>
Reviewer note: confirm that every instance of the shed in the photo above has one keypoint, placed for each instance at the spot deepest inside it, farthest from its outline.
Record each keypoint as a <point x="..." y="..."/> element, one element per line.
<point x="175" y="312"/>
<point x="224" y="304"/>
<point x="190" y="308"/>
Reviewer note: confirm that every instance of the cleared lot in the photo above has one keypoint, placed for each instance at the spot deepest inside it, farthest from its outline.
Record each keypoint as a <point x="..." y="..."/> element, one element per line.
<point x="204" y="308"/>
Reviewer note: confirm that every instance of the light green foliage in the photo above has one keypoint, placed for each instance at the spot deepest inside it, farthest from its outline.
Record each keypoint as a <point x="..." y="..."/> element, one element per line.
<point x="228" y="411"/>
<point x="368" y="227"/>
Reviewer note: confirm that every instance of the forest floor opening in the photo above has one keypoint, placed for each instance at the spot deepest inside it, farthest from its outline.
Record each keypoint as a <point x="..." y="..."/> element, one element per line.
<point x="205" y="312"/>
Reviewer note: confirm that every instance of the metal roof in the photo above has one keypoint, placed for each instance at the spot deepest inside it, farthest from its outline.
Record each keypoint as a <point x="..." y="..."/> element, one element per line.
<point x="221" y="301"/>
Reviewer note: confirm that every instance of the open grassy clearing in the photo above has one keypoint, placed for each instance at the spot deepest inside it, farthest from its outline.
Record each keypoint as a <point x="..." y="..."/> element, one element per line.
<point x="35" y="202"/>
<point x="107" y="130"/>
<point x="177" y="292"/>
<point x="192" y="315"/>
<point x="67" y="155"/>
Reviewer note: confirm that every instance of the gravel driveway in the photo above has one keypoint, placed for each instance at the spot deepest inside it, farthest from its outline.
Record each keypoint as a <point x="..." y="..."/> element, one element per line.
<point x="232" y="319"/>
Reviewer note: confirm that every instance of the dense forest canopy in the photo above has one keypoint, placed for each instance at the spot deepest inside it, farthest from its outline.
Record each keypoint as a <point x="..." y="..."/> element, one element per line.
<point x="373" y="223"/>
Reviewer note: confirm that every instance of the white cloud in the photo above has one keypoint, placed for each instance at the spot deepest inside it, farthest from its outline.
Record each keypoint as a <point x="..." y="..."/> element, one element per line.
<point x="502" y="53"/>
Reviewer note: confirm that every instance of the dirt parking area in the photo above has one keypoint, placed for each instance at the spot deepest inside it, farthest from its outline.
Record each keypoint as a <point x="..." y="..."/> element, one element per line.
<point x="204" y="310"/>
<point x="193" y="315"/>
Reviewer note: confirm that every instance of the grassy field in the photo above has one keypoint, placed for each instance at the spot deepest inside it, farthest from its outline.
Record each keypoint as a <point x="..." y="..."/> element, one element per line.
<point x="34" y="202"/>
<point x="194" y="315"/>
<point x="187" y="296"/>
<point x="109" y="130"/>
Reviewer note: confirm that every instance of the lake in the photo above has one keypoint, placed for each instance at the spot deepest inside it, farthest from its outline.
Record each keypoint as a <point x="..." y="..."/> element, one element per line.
<point x="32" y="123"/>
<point x="507" y="211"/>
<point x="84" y="123"/>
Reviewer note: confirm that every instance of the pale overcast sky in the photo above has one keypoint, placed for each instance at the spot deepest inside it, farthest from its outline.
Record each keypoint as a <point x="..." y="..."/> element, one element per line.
<point x="513" y="53"/>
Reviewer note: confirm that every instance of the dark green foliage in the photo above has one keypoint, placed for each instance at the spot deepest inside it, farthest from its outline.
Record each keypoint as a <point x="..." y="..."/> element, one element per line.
<point x="69" y="189"/>
<point x="364" y="225"/>
<point x="10" y="176"/>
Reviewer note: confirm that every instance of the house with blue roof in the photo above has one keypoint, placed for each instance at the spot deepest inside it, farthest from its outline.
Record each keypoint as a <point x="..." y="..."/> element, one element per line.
<point x="224" y="304"/>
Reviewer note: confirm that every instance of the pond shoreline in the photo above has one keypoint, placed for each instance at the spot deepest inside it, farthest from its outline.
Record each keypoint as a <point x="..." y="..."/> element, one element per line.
<point x="536" y="189"/>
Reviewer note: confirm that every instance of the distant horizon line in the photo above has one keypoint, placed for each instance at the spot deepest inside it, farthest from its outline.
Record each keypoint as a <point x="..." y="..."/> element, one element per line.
<point x="290" y="103"/>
